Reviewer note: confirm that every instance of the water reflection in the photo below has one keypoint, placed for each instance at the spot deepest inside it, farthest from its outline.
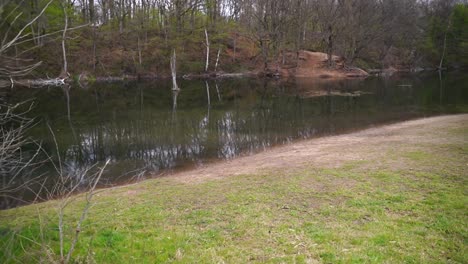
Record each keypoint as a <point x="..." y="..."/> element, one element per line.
<point x="175" y="93"/>
<point x="147" y="127"/>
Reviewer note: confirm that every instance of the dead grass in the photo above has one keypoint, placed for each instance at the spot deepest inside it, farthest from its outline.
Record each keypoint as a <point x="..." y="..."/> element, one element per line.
<point x="373" y="145"/>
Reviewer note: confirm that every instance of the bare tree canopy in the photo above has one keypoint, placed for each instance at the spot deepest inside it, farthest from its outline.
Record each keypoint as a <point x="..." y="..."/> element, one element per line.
<point x="138" y="37"/>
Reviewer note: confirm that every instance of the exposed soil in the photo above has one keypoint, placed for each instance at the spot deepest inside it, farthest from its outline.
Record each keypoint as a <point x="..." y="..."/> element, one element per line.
<point x="303" y="64"/>
<point x="334" y="151"/>
<point x="315" y="65"/>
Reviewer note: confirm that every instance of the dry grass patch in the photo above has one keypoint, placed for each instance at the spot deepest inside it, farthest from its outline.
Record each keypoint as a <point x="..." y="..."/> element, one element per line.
<point x="406" y="204"/>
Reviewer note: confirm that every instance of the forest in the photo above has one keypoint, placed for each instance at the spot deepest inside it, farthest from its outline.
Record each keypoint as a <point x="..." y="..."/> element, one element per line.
<point x="233" y="131"/>
<point x="137" y="37"/>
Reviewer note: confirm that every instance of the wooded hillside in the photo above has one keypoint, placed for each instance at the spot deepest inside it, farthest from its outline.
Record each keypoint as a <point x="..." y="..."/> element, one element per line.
<point x="136" y="37"/>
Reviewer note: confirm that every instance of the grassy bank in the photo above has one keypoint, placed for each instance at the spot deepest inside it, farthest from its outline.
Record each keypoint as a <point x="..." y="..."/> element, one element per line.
<point x="407" y="204"/>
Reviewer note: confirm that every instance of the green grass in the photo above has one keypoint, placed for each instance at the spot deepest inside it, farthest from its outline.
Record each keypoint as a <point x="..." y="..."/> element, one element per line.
<point x="417" y="155"/>
<point x="415" y="213"/>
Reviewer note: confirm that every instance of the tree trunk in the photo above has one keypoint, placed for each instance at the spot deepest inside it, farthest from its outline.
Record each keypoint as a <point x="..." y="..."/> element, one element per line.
<point x="91" y="11"/>
<point x="235" y="48"/>
<point x="64" y="36"/>
<point x="330" y="47"/>
<point x="264" y="54"/>
<point x="444" y="47"/>
<point x="139" y="50"/>
<point x="94" y="50"/>
<point x="207" y="51"/>
<point x="217" y="60"/>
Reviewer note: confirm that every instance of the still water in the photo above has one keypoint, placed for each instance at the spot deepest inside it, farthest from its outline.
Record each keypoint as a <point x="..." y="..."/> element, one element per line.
<point x="145" y="129"/>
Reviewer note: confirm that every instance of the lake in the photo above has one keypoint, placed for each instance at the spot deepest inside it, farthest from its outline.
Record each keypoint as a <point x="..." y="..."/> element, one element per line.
<point x="146" y="130"/>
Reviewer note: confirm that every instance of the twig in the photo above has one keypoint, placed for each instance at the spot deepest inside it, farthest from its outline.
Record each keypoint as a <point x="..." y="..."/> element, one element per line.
<point x="89" y="197"/>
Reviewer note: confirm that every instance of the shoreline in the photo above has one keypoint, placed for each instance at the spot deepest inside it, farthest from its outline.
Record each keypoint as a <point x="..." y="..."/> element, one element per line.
<point x="396" y="191"/>
<point x="287" y="154"/>
<point x="316" y="151"/>
<point x="39" y="83"/>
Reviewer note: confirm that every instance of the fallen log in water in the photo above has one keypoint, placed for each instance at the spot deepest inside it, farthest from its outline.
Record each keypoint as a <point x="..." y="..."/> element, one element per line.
<point x="47" y="82"/>
<point x="218" y="75"/>
<point x="34" y="83"/>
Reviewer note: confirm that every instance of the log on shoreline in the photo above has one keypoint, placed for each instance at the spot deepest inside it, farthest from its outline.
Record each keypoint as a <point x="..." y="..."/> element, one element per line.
<point x="33" y="83"/>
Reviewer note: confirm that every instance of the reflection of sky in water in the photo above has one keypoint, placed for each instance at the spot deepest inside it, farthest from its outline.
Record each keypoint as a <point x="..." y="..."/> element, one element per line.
<point x="135" y="126"/>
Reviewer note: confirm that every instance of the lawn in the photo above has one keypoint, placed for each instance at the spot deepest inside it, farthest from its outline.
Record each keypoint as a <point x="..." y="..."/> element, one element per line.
<point x="410" y="206"/>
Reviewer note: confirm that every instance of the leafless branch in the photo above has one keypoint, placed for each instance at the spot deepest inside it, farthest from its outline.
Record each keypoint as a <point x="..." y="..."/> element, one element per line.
<point x="89" y="197"/>
<point x="20" y="32"/>
<point x="14" y="160"/>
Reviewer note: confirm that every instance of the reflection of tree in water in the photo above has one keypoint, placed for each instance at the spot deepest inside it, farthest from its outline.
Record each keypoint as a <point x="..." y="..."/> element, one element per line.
<point x="77" y="156"/>
<point x="140" y="127"/>
<point x="196" y="134"/>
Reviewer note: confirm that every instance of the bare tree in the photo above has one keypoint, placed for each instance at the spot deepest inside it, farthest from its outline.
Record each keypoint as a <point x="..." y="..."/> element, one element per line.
<point x="217" y="60"/>
<point x="444" y="46"/>
<point x="16" y="164"/>
<point x="89" y="196"/>
<point x="207" y="44"/>
<point x="66" y="189"/>
<point x="64" y="73"/>
<point x="11" y="67"/>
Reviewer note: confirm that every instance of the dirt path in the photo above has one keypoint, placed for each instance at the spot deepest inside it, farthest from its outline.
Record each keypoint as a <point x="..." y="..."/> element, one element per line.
<point x="334" y="151"/>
